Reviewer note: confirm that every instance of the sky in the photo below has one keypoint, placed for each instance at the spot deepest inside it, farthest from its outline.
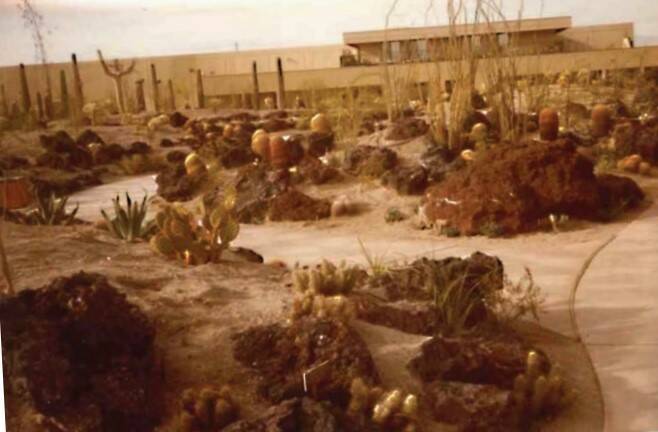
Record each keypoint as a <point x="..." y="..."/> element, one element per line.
<point x="136" y="28"/>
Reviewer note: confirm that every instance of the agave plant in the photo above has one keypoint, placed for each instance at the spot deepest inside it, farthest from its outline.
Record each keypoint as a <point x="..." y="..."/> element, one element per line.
<point x="129" y="223"/>
<point x="52" y="211"/>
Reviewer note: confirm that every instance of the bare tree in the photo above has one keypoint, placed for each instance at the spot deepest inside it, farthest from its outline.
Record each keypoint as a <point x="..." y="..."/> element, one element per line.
<point x="34" y="21"/>
<point x="117" y="71"/>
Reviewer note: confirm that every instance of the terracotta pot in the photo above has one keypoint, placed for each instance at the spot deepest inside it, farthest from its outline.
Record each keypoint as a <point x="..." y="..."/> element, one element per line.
<point x="320" y="123"/>
<point x="15" y="193"/>
<point x="260" y="144"/>
<point x="601" y="121"/>
<point x="549" y="124"/>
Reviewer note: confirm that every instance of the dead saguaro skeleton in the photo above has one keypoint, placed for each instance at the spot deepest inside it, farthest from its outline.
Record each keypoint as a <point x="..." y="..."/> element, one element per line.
<point x="25" y="90"/>
<point x="256" y="96"/>
<point x="117" y="71"/>
<point x="200" y="96"/>
<point x="140" y="96"/>
<point x="281" y="90"/>
<point x="77" y="85"/>
<point x="155" y="83"/>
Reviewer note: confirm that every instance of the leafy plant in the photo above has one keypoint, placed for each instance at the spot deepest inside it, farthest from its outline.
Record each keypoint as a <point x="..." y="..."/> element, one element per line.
<point x="182" y="235"/>
<point x="129" y="223"/>
<point x="454" y="302"/>
<point x="393" y="214"/>
<point x="377" y="264"/>
<point x="515" y="300"/>
<point x="52" y="211"/>
<point x="491" y="230"/>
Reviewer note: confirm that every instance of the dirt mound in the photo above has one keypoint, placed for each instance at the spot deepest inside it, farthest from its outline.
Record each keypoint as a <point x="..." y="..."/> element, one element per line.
<point x="511" y="188"/>
<point x="86" y="355"/>
<point x="293" y="205"/>
<point x="407" y="181"/>
<point x="369" y="161"/>
<point x="281" y="355"/>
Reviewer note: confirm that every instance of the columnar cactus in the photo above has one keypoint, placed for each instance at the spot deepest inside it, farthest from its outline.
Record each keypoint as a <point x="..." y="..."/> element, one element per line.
<point x="328" y="279"/>
<point x="601" y="121"/>
<point x="549" y="124"/>
<point x="536" y="393"/>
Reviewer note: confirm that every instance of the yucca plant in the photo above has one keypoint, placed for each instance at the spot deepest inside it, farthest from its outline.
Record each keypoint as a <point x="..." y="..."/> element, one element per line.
<point x="52" y="211"/>
<point x="129" y="223"/>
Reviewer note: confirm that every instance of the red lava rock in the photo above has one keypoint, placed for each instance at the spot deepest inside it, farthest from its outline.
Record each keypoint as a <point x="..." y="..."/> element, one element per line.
<point x="414" y="317"/>
<point x="83" y="348"/>
<point x="293" y="205"/>
<point x="88" y="137"/>
<point x="280" y="355"/>
<point x="476" y="360"/>
<point x="512" y="187"/>
<point x="408" y="180"/>
<point x="319" y="143"/>
<point x="318" y="173"/>
<point x="369" y="160"/>
<point x="177" y="120"/>
<point x="175" y="185"/>
<point x="407" y="128"/>
<point x="474" y="407"/>
<point x="617" y="194"/>
<point x="139" y="147"/>
<point x="293" y="415"/>
<point x="646" y="144"/>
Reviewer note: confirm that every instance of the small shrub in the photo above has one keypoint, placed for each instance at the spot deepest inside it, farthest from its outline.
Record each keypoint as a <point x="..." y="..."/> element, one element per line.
<point x="491" y="230"/>
<point x="393" y="214"/>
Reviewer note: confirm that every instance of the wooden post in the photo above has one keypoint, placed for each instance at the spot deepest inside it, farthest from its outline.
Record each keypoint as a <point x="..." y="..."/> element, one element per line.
<point x="77" y="85"/>
<point x="172" y="95"/>
<point x="4" y="105"/>
<point x="200" y="96"/>
<point x="140" y="95"/>
<point x="256" y="98"/>
<point x="25" y="90"/>
<point x="40" y="111"/>
<point x="281" y="90"/>
<point x="63" y="94"/>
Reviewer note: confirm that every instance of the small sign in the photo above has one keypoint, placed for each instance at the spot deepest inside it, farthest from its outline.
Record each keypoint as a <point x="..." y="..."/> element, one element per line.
<point x="314" y="377"/>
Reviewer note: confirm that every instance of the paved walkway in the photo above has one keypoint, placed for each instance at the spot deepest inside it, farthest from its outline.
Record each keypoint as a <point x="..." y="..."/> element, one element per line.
<point x="617" y="312"/>
<point x="616" y="305"/>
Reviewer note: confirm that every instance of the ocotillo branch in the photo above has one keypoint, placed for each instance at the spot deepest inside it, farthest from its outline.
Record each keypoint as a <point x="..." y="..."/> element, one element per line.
<point x="117" y="71"/>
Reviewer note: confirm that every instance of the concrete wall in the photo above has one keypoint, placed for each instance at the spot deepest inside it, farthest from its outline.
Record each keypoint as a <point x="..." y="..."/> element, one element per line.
<point x="596" y="37"/>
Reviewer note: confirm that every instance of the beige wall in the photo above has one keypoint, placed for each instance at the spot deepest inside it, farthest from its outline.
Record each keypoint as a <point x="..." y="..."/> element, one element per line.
<point x="596" y="37"/>
<point x="181" y="69"/>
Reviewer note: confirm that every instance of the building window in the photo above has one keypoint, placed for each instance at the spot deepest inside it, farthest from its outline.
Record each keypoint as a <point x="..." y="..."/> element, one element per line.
<point x="503" y="40"/>
<point x="421" y="49"/>
<point x="394" y="51"/>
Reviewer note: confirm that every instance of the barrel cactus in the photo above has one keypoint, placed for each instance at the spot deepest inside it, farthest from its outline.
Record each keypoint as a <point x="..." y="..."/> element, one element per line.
<point x="181" y="235"/>
<point x="601" y="121"/>
<point x="208" y="410"/>
<point x="549" y="124"/>
<point x="320" y="123"/>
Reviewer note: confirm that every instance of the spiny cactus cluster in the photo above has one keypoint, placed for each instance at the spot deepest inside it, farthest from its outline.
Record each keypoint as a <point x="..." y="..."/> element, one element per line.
<point x="129" y="223"/>
<point x="319" y="306"/>
<point x="181" y="235"/>
<point x="536" y="393"/>
<point x="327" y="279"/>
<point x="393" y="410"/>
<point x="208" y="410"/>
<point x="52" y="211"/>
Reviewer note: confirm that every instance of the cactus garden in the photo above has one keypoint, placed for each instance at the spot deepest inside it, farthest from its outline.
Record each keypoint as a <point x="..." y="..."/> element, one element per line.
<point x="411" y="250"/>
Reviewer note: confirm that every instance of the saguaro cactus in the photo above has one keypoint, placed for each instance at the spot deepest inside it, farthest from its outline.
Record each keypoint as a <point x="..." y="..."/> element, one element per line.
<point x="25" y="90"/>
<point x="200" y="96"/>
<point x="77" y="85"/>
<point x="256" y="96"/>
<point x="117" y="71"/>
<point x="155" y="83"/>
<point x="63" y="94"/>
<point x="281" y="89"/>
<point x="140" y="95"/>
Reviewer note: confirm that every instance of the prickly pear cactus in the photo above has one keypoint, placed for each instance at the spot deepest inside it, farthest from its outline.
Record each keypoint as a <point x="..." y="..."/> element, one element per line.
<point x="182" y="235"/>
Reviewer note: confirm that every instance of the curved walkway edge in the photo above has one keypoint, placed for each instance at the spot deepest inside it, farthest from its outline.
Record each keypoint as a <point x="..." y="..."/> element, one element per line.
<point x="617" y="313"/>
